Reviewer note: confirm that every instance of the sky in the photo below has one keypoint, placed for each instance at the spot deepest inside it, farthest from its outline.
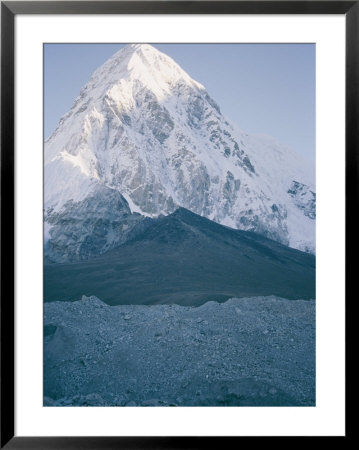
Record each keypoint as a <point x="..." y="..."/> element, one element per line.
<point x="262" y="88"/>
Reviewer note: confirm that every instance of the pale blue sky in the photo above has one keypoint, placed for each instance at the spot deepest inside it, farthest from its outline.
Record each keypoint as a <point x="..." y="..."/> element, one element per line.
<point x="263" y="88"/>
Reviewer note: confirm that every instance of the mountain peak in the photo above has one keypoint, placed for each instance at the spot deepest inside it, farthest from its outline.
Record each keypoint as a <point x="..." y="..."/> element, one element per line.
<point x="134" y="67"/>
<point x="143" y="48"/>
<point x="147" y="61"/>
<point x="143" y="127"/>
<point x="128" y="51"/>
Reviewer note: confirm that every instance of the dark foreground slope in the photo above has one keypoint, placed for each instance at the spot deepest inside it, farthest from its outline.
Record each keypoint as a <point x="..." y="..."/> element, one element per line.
<point x="186" y="259"/>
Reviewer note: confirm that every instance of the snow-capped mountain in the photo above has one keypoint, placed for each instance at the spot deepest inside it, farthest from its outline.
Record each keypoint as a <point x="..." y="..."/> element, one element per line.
<point x="144" y="138"/>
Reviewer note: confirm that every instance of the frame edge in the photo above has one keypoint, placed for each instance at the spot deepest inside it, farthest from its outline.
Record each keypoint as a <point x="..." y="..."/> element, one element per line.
<point x="351" y="169"/>
<point x="8" y="12"/>
<point x="7" y="225"/>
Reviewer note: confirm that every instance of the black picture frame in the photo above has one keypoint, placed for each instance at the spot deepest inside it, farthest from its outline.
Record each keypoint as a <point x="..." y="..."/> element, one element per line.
<point x="9" y="9"/>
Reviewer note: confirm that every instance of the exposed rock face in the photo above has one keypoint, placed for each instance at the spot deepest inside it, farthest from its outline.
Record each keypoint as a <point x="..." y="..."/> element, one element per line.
<point x="92" y="226"/>
<point x="144" y="128"/>
<point x="304" y="198"/>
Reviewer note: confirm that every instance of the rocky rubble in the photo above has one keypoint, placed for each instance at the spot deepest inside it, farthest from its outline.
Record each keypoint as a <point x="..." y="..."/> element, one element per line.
<point x="257" y="351"/>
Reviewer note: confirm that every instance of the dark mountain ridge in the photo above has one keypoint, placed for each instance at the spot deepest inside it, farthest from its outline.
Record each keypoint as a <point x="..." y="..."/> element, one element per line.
<point x="186" y="259"/>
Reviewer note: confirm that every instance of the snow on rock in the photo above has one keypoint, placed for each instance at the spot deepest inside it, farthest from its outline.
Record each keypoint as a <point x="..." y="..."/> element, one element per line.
<point x="143" y="127"/>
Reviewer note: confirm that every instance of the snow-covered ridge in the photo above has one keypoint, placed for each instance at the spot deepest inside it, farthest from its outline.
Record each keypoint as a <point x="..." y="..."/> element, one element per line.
<point x="143" y="127"/>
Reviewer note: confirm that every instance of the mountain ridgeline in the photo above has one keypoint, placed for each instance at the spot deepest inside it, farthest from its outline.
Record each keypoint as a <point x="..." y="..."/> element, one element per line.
<point x="186" y="259"/>
<point x="143" y="139"/>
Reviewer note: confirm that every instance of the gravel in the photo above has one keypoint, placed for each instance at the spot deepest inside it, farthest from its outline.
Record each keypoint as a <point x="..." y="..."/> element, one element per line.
<point x="257" y="351"/>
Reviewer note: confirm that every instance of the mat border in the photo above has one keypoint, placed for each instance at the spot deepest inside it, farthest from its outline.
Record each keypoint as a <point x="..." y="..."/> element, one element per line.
<point x="9" y="9"/>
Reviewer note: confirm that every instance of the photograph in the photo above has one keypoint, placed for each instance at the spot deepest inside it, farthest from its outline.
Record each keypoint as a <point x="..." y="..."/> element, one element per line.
<point x="179" y="224"/>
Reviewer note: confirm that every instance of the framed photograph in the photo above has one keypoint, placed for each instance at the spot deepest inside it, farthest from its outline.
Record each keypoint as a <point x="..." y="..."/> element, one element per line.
<point x="175" y="185"/>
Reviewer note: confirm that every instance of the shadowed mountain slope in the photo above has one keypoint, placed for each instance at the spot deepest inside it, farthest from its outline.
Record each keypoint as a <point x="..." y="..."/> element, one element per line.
<point x="186" y="259"/>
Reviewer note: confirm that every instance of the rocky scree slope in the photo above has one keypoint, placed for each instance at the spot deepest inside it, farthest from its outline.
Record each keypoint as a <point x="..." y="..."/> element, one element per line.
<point x="256" y="351"/>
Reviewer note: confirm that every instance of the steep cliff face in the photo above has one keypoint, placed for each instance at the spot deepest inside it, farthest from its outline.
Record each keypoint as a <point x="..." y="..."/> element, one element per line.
<point x="90" y="227"/>
<point x="144" y="129"/>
